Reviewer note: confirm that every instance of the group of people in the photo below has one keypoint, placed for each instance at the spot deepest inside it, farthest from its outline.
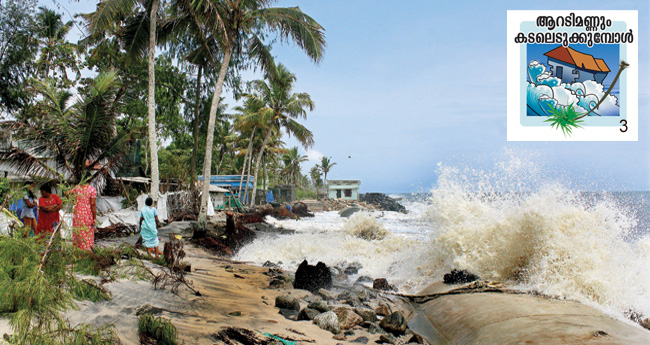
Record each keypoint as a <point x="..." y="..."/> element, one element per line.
<point x="43" y="216"/>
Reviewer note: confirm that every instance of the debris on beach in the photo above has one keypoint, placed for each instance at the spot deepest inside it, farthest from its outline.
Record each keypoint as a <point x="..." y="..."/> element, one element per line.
<point x="236" y="335"/>
<point x="115" y="231"/>
<point x="459" y="277"/>
<point x="312" y="278"/>
<point x="300" y="209"/>
<point x="225" y="239"/>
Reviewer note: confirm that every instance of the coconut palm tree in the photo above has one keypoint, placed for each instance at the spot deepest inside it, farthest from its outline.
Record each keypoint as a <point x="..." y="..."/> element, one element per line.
<point x="82" y="138"/>
<point x="281" y="108"/>
<point x="325" y="166"/>
<point x="315" y="174"/>
<point x="239" y="26"/>
<point x="51" y="32"/>
<point x="139" y="18"/>
<point x="292" y="160"/>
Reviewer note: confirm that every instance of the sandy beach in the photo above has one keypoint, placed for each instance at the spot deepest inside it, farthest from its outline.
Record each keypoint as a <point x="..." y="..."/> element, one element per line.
<point x="232" y="294"/>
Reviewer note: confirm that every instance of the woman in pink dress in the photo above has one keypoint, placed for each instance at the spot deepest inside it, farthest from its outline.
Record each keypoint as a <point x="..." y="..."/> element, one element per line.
<point x="84" y="216"/>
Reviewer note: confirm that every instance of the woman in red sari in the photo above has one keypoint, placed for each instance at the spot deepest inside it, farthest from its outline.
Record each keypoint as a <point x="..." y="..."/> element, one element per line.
<point x="84" y="216"/>
<point x="49" y="206"/>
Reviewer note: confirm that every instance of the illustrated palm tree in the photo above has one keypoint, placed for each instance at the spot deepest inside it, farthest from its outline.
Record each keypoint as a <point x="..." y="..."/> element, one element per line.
<point x="292" y="160"/>
<point x="139" y="20"/>
<point x="325" y="166"/>
<point x="239" y="26"/>
<point x="281" y="108"/>
<point x="82" y="138"/>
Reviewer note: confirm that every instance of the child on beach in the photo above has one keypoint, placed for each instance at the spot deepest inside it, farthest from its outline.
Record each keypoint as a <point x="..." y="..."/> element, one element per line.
<point x="149" y="228"/>
<point x="28" y="214"/>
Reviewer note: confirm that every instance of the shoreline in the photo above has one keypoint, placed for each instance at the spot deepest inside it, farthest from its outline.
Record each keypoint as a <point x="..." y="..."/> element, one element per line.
<point x="241" y="294"/>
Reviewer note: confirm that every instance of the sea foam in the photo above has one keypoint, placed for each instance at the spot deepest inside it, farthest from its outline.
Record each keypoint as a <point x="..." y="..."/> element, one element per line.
<point x="516" y="222"/>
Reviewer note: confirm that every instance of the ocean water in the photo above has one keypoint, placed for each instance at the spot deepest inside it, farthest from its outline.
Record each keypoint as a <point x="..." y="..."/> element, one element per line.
<point x="533" y="235"/>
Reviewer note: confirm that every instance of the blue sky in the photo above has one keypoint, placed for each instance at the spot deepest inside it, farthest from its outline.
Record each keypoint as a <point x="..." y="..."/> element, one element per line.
<point x="406" y="85"/>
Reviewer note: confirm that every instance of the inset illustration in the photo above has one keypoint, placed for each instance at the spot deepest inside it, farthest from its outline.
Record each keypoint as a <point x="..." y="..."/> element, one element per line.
<point x="563" y="90"/>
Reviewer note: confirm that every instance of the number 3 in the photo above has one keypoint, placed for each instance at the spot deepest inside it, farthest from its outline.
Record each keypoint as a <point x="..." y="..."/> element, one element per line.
<point x="624" y="122"/>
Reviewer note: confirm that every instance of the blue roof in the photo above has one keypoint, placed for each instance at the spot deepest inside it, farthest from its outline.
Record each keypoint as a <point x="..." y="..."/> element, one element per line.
<point x="229" y="181"/>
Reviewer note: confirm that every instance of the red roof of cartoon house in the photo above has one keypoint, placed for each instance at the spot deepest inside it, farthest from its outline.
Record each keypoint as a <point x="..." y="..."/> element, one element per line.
<point x="578" y="59"/>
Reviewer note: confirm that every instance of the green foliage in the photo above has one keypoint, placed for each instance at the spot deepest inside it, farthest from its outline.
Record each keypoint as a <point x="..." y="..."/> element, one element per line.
<point x="292" y="160"/>
<point x="302" y="194"/>
<point x="130" y="194"/>
<point x="564" y="118"/>
<point x="34" y="299"/>
<point x="19" y="46"/>
<point x="76" y="135"/>
<point x="162" y="331"/>
<point x="87" y="289"/>
<point x="94" y="262"/>
<point x="57" y="55"/>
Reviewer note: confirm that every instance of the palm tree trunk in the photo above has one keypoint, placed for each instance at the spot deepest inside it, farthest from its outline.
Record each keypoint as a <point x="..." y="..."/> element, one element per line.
<point x="151" y="104"/>
<point x="249" y="152"/>
<point x="264" y="174"/>
<point x="195" y="133"/>
<point x="207" y="163"/>
<point x="257" y="163"/>
<point x="248" y="174"/>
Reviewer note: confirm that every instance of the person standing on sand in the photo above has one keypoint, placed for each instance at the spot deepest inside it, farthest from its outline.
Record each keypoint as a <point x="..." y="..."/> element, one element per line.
<point x="84" y="216"/>
<point x="149" y="227"/>
<point x="49" y="206"/>
<point x="28" y="213"/>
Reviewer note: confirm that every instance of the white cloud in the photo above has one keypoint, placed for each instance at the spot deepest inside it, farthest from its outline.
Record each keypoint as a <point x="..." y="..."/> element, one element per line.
<point x="314" y="156"/>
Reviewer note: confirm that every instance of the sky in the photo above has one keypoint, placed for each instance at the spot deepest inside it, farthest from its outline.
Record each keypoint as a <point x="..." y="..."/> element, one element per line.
<point x="407" y="86"/>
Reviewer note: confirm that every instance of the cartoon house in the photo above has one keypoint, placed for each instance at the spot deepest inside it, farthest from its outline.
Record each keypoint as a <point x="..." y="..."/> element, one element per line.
<point x="571" y="65"/>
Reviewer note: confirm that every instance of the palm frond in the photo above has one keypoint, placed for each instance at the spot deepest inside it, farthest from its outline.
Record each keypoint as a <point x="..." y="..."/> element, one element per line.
<point x="293" y="24"/>
<point x="300" y="132"/>
<point x="136" y="35"/>
<point x="109" y="12"/>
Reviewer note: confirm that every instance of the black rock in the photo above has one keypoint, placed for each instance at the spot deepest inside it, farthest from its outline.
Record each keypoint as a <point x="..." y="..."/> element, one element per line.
<point x="277" y="282"/>
<point x="353" y="268"/>
<point x="287" y="302"/>
<point x="308" y="314"/>
<point x="320" y="306"/>
<point x="360" y="340"/>
<point x="386" y="339"/>
<point x="380" y="284"/>
<point x="270" y="264"/>
<point x="350" y="298"/>
<point x="312" y="278"/>
<point x="459" y="277"/>
<point x="386" y="203"/>
<point x="363" y="279"/>
<point x="394" y="323"/>
<point x="289" y="314"/>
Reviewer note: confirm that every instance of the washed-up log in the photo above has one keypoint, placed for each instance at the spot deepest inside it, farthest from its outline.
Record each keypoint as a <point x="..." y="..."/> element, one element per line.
<point x="278" y="213"/>
<point x="300" y="209"/>
<point x="251" y="218"/>
<point x="115" y="230"/>
<point x="227" y="240"/>
<point x="212" y="244"/>
<point x="236" y="336"/>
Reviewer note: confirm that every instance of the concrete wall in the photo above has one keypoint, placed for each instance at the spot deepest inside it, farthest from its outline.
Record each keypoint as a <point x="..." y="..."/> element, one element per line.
<point x="333" y="189"/>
